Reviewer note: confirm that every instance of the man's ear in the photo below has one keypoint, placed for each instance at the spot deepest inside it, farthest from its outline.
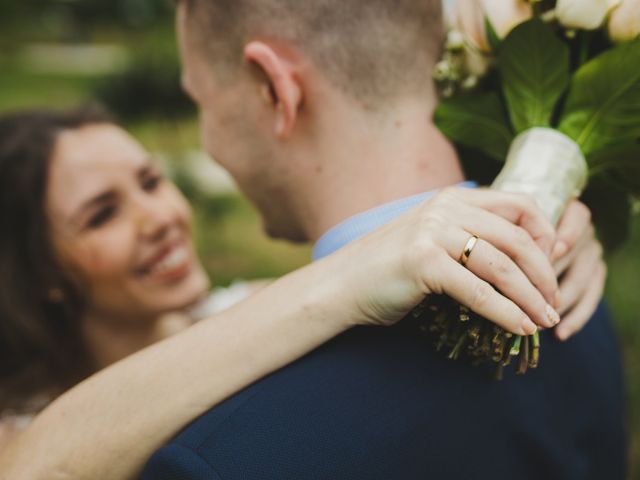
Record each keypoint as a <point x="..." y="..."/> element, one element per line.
<point x="279" y="85"/>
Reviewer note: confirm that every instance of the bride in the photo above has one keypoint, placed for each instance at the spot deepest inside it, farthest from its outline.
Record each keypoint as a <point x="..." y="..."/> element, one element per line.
<point x="101" y="360"/>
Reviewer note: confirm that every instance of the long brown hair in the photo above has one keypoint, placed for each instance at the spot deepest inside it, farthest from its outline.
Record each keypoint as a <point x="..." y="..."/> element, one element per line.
<point x="41" y="349"/>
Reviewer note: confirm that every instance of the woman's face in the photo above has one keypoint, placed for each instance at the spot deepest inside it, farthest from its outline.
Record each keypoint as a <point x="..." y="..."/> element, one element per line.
<point x="120" y="226"/>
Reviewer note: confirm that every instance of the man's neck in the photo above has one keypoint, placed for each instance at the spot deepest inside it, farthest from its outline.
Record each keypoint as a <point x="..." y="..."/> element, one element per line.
<point x="387" y="159"/>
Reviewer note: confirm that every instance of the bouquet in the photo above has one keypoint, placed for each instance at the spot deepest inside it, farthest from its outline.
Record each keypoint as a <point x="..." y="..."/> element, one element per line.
<point x="548" y="94"/>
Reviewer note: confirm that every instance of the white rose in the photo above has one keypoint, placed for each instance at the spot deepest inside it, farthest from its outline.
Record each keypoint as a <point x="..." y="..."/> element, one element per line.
<point x="468" y="17"/>
<point x="624" y="23"/>
<point x="584" y="14"/>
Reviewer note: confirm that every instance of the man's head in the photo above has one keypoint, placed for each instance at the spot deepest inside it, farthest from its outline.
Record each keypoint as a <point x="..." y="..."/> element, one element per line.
<point x="270" y="76"/>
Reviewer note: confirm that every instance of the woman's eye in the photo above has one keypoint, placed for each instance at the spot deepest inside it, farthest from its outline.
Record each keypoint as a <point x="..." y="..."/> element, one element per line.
<point x="101" y="217"/>
<point x="150" y="183"/>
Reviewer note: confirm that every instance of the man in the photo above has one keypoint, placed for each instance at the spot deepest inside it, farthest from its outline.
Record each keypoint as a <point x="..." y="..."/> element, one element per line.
<point x="321" y="111"/>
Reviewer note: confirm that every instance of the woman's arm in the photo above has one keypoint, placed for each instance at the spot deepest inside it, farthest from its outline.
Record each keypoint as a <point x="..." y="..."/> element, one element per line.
<point x="107" y="426"/>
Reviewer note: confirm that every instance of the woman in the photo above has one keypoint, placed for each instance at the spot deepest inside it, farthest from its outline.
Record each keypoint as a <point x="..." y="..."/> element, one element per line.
<point x="96" y="258"/>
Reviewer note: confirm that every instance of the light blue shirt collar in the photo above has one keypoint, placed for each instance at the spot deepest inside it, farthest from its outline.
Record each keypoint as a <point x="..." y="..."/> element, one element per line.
<point x="363" y="223"/>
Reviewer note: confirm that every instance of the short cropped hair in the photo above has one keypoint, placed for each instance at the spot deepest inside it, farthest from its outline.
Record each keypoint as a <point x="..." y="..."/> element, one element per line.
<point x="371" y="49"/>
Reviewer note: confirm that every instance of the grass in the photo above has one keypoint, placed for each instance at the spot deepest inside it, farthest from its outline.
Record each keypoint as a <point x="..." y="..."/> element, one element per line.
<point x="623" y="295"/>
<point x="21" y="89"/>
<point x="235" y="246"/>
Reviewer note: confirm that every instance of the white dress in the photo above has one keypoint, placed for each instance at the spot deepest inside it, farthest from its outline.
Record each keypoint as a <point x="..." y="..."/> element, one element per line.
<point x="220" y="299"/>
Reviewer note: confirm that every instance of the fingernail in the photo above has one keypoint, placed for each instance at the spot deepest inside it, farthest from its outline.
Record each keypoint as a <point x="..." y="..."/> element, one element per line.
<point x="559" y="249"/>
<point x="552" y="315"/>
<point x="528" y="327"/>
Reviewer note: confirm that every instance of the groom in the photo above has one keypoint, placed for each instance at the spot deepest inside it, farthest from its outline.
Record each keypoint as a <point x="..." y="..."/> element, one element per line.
<point x="320" y="110"/>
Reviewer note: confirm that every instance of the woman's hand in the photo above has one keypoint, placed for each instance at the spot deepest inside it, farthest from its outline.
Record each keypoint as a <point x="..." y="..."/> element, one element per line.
<point x="418" y="254"/>
<point x="577" y="257"/>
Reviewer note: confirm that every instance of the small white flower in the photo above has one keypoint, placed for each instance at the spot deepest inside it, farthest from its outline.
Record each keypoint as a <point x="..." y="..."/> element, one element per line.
<point x="476" y="63"/>
<point x="455" y="40"/>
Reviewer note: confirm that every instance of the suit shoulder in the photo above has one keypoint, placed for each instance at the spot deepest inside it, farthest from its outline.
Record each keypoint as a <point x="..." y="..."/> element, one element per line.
<point x="175" y="461"/>
<point x="304" y="382"/>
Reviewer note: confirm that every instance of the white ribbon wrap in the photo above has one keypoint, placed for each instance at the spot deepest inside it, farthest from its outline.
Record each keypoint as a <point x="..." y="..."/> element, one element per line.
<point x="547" y="165"/>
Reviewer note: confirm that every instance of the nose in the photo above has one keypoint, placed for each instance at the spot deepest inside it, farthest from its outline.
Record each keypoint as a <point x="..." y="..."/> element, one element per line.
<point x="154" y="216"/>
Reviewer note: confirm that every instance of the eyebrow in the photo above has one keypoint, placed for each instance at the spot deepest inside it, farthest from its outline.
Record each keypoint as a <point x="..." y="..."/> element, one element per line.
<point x="108" y="195"/>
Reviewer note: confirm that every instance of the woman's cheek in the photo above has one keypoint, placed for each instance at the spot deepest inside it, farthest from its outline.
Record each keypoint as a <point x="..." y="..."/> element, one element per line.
<point x="107" y="253"/>
<point x="179" y="203"/>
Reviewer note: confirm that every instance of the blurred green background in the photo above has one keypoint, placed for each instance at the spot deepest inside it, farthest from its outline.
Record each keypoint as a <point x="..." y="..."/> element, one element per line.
<point x="122" y="54"/>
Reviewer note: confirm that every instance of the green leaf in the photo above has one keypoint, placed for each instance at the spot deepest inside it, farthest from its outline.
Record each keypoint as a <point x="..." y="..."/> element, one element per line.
<point x="476" y="121"/>
<point x="603" y="106"/>
<point x="534" y="67"/>
<point x="478" y="166"/>
<point x="492" y="36"/>
<point x="611" y="210"/>
<point x="619" y="165"/>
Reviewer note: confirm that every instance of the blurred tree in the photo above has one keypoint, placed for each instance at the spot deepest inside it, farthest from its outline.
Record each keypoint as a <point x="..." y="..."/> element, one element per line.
<point x="150" y="86"/>
<point x="73" y="20"/>
<point x="133" y="13"/>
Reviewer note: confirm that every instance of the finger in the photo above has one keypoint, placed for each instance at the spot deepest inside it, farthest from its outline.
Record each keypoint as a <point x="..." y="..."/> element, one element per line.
<point x="563" y="263"/>
<point x="479" y="296"/>
<point x="572" y="226"/>
<point x="519" y="209"/>
<point x="579" y="276"/>
<point x="575" y="320"/>
<point x="496" y="268"/>
<point x="516" y="242"/>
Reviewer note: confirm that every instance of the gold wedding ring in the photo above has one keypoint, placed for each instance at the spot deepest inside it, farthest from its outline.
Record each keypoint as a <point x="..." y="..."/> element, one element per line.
<point x="468" y="248"/>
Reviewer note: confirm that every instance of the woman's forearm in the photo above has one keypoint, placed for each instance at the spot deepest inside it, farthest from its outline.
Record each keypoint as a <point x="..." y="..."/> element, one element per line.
<point x="108" y="426"/>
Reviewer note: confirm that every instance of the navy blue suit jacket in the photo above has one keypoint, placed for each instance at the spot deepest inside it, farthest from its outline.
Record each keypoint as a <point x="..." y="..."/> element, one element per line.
<point x="379" y="403"/>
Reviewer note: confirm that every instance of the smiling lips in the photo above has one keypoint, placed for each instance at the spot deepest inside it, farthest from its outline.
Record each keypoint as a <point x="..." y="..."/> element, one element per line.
<point x="171" y="264"/>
